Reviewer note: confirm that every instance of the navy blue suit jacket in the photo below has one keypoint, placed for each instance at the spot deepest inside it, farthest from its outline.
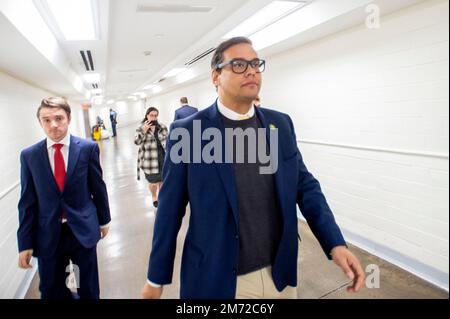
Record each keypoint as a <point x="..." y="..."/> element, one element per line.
<point x="211" y="249"/>
<point x="84" y="199"/>
<point x="184" y="111"/>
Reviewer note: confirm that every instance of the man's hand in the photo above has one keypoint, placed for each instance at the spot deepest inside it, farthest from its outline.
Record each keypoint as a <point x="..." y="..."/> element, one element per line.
<point x="150" y="292"/>
<point x="104" y="232"/>
<point x="350" y="266"/>
<point x="24" y="259"/>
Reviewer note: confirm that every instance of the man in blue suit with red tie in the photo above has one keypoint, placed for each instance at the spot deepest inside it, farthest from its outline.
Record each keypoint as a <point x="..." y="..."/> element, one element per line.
<point x="242" y="236"/>
<point x="63" y="207"/>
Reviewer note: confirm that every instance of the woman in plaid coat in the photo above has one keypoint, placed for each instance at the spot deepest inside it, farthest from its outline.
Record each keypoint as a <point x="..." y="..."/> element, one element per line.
<point x="151" y="138"/>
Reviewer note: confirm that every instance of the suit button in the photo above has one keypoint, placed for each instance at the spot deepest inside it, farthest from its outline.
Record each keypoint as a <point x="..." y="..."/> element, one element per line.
<point x="236" y="237"/>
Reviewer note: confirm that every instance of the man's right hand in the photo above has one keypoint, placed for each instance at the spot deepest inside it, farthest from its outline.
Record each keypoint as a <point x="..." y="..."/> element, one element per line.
<point x="150" y="292"/>
<point x="25" y="258"/>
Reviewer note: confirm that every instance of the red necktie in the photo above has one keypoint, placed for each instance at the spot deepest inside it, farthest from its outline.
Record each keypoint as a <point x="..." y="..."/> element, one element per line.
<point x="60" y="167"/>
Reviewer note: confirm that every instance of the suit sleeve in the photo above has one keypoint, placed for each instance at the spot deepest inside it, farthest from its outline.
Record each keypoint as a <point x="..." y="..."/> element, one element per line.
<point x="27" y="207"/>
<point x="98" y="188"/>
<point x="314" y="207"/>
<point x="172" y="201"/>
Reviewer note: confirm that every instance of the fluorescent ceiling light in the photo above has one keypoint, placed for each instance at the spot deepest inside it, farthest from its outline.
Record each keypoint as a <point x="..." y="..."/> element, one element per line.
<point x="149" y="87"/>
<point x="185" y="76"/>
<point x="264" y="17"/>
<point x="91" y="77"/>
<point x="110" y="102"/>
<point x="142" y="95"/>
<point x="97" y="100"/>
<point x="157" y="89"/>
<point x="78" y="83"/>
<point x="75" y="19"/>
<point x="295" y="23"/>
<point x="96" y="91"/>
<point x="174" y="72"/>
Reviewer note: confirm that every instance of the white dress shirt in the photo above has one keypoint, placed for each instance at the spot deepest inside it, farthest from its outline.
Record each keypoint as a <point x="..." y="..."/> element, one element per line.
<point x="232" y="115"/>
<point x="64" y="150"/>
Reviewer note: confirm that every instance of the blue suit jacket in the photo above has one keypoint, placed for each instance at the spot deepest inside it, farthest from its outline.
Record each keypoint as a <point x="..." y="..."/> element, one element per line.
<point x="84" y="198"/>
<point x="184" y="111"/>
<point x="211" y="249"/>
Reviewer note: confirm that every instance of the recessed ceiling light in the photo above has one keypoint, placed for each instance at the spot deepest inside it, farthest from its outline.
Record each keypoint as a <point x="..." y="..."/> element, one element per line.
<point x="267" y="15"/>
<point x="174" y="72"/>
<point x="149" y="87"/>
<point x="75" y="19"/>
<point x="91" y="77"/>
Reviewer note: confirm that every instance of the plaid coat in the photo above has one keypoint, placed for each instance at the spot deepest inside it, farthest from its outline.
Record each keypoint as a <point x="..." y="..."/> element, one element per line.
<point x="148" y="149"/>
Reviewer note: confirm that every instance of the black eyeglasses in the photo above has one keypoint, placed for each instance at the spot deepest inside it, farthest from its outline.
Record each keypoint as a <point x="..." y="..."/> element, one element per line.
<point x="239" y="66"/>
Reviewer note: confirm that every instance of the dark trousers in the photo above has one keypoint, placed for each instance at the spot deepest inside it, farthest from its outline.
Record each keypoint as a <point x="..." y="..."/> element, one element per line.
<point x="54" y="271"/>
<point x="114" y="129"/>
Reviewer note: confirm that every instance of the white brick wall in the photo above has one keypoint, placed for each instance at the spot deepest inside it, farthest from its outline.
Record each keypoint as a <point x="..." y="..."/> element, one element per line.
<point x="19" y="128"/>
<point x="386" y="90"/>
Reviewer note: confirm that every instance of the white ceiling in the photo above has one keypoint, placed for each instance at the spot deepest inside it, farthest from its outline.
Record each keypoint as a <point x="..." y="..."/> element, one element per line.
<point x="166" y="35"/>
<point x="172" y="38"/>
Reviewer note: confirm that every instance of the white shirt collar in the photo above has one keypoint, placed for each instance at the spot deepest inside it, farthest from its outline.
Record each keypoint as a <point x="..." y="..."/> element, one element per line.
<point x="65" y="141"/>
<point x="232" y="115"/>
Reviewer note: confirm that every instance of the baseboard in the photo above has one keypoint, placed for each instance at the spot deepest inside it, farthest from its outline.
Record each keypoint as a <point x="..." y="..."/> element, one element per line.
<point x="26" y="282"/>
<point x="411" y="265"/>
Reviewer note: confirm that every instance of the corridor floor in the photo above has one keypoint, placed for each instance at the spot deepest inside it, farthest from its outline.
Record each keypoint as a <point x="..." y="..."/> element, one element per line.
<point x="123" y="254"/>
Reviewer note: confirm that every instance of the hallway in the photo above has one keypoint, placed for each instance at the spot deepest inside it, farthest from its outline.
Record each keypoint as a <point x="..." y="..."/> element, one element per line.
<point x="123" y="254"/>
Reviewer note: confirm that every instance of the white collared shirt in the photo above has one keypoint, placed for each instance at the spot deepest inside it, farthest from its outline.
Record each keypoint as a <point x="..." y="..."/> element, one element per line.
<point x="64" y="150"/>
<point x="232" y="115"/>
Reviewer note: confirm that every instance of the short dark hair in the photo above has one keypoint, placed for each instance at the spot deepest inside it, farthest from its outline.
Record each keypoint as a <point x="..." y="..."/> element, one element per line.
<point x="184" y="100"/>
<point x="218" y="53"/>
<point x="150" y="109"/>
<point x="54" y="102"/>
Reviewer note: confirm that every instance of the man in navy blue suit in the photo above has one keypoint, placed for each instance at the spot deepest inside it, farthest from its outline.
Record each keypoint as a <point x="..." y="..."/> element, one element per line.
<point x="63" y="207"/>
<point x="185" y="110"/>
<point x="242" y="237"/>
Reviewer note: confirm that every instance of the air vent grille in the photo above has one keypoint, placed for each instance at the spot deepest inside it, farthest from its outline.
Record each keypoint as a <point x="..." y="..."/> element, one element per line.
<point x="86" y="56"/>
<point x="200" y="56"/>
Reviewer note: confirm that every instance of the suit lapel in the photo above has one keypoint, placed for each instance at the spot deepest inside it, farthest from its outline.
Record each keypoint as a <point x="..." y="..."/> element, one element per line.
<point x="74" y="153"/>
<point x="278" y="176"/>
<point x="43" y="151"/>
<point x="225" y="170"/>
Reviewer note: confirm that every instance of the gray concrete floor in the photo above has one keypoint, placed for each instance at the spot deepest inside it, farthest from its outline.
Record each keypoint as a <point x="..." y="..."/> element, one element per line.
<point x="123" y="254"/>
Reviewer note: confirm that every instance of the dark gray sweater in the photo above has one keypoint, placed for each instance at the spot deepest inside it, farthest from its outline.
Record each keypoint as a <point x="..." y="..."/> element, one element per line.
<point x="260" y="219"/>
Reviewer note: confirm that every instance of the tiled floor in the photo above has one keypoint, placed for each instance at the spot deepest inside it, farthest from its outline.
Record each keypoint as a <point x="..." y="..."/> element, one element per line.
<point x="123" y="254"/>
